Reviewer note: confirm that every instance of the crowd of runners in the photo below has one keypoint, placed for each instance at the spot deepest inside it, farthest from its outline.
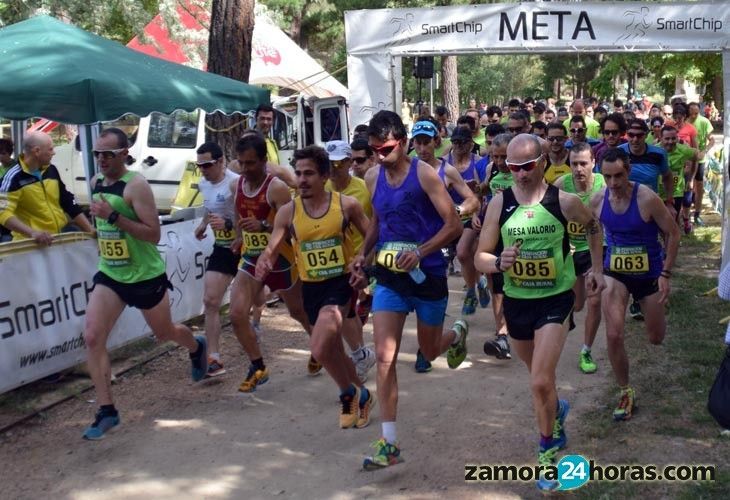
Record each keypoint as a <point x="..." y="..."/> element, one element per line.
<point x="542" y="211"/>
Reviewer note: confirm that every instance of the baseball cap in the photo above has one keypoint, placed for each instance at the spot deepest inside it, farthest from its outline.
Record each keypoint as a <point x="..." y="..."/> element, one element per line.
<point x="424" y="128"/>
<point x="338" y="150"/>
<point x="461" y="134"/>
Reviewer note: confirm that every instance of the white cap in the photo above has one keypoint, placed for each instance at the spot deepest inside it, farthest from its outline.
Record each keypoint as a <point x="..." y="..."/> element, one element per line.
<point x="338" y="150"/>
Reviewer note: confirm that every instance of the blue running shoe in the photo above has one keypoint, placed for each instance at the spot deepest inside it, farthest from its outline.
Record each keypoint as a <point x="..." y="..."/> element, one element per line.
<point x="422" y="364"/>
<point x="103" y="423"/>
<point x="560" y="439"/>
<point x="483" y="291"/>
<point x="199" y="359"/>
<point x="546" y="457"/>
<point x="469" y="306"/>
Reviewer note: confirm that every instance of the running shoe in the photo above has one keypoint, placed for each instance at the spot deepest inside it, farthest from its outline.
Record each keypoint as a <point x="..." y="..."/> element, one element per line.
<point x="215" y="368"/>
<point x="698" y="221"/>
<point x="363" y="309"/>
<point x="349" y="411"/>
<point x="586" y="363"/>
<point x="469" y="306"/>
<point x="422" y="364"/>
<point x="364" y="364"/>
<point x="363" y="418"/>
<point x="687" y="226"/>
<point x="254" y="379"/>
<point x="313" y="366"/>
<point x="273" y="301"/>
<point x="625" y="408"/>
<point x="635" y="311"/>
<point x="199" y="359"/>
<point x="547" y="457"/>
<point x="498" y="347"/>
<point x="457" y="352"/>
<point x="483" y="291"/>
<point x="560" y="439"/>
<point x="386" y="454"/>
<point x="103" y="423"/>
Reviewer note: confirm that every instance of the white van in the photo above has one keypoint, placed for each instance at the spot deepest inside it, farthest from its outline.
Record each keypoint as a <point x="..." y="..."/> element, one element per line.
<point x="162" y="145"/>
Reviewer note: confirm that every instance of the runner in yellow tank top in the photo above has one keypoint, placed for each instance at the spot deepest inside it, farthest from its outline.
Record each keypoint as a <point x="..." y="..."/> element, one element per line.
<point x="317" y="222"/>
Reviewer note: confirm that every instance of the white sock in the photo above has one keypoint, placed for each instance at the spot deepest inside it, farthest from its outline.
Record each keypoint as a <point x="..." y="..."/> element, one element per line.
<point x="585" y="349"/>
<point x="358" y="353"/>
<point x="389" y="432"/>
<point x="216" y="356"/>
<point x="457" y="336"/>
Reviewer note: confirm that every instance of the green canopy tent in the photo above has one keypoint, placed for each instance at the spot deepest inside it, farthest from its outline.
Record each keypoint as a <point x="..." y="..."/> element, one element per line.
<point x="58" y="71"/>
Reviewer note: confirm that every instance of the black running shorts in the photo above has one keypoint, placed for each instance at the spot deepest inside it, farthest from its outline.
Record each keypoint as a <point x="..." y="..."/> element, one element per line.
<point x="524" y="316"/>
<point x="142" y="295"/>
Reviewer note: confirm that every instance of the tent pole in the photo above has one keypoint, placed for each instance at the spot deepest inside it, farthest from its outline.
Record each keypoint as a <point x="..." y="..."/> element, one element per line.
<point x="17" y="131"/>
<point x="725" y="158"/>
<point x="87" y="135"/>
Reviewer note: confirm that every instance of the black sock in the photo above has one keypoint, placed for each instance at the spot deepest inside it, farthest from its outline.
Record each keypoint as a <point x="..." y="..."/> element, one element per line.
<point x="258" y="364"/>
<point x="108" y="409"/>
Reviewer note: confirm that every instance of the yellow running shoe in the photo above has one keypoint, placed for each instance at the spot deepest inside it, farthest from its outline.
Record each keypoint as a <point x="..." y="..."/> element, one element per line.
<point x="313" y="366"/>
<point x="349" y="409"/>
<point x="625" y="407"/>
<point x="364" y="418"/>
<point x="254" y="379"/>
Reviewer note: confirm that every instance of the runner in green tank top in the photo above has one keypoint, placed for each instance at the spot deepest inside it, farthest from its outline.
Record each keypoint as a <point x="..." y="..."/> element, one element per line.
<point x="525" y="237"/>
<point x="584" y="183"/>
<point x="131" y="272"/>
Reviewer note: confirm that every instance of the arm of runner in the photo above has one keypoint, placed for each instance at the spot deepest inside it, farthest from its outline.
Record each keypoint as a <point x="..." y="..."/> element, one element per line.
<point x="670" y="229"/>
<point x="138" y="194"/>
<point x="471" y="202"/>
<point x="282" y="173"/>
<point x="200" y="230"/>
<point x="238" y="242"/>
<point x="452" y="228"/>
<point x="573" y="209"/>
<point x="484" y="259"/>
<point x="560" y="181"/>
<point x="280" y="231"/>
<point x="355" y="213"/>
<point x="668" y="182"/>
<point x="358" y="279"/>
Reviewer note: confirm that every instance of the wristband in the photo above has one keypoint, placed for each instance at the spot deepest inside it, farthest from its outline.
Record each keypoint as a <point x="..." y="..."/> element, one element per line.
<point x="112" y="219"/>
<point x="498" y="264"/>
<point x="228" y="225"/>
<point x="666" y="273"/>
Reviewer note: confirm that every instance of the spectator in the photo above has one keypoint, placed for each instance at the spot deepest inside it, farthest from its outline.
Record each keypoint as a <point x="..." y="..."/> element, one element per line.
<point x="6" y="163"/>
<point x="35" y="203"/>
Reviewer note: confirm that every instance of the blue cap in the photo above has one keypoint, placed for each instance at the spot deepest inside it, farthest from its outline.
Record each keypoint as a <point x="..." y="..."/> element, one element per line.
<point x="424" y="128"/>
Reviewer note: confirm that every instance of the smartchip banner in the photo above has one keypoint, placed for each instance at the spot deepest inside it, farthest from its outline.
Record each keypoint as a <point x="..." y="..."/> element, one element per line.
<point x="45" y="292"/>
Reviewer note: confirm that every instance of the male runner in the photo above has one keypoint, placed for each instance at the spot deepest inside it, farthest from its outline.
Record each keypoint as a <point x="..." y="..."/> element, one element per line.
<point x="682" y="161"/>
<point x="413" y="219"/>
<point x="318" y="223"/>
<point x="215" y="186"/>
<point x="557" y="160"/>
<point x="258" y="196"/>
<point x="525" y="237"/>
<point x="705" y="141"/>
<point x="632" y="216"/>
<point x="131" y="272"/>
<point x="584" y="183"/>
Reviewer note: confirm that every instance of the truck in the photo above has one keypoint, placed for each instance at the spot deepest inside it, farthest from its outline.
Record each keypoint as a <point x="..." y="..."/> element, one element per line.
<point x="163" y="146"/>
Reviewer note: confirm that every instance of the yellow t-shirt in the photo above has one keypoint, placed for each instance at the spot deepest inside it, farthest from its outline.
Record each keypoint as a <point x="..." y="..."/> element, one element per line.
<point x="358" y="190"/>
<point x="272" y="151"/>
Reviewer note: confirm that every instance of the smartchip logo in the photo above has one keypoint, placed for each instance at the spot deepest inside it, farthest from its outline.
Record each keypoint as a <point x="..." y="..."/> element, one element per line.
<point x="638" y="23"/>
<point x="460" y="27"/>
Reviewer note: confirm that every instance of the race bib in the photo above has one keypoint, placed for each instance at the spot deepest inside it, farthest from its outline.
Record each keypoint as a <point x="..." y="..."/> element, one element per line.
<point x="534" y="269"/>
<point x="388" y="254"/>
<point x="629" y="260"/>
<point x="113" y="248"/>
<point x="255" y="243"/>
<point x="576" y="231"/>
<point x="323" y="259"/>
<point x="224" y="237"/>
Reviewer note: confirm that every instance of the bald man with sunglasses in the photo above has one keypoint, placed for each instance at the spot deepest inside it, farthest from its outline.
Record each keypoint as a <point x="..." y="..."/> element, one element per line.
<point x="525" y="237"/>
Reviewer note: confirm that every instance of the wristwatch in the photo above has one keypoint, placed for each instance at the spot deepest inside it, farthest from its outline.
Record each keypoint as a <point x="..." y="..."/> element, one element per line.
<point x="112" y="219"/>
<point x="498" y="264"/>
<point x="228" y="225"/>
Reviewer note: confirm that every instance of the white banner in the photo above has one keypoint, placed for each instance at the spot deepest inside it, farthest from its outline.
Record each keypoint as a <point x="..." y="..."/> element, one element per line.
<point x="42" y="317"/>
<point x="374" y="36"/>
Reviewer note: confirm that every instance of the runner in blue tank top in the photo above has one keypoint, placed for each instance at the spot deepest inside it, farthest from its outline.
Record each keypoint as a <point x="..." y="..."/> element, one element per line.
<point x="632" y="215"/>
<point x="413" y="218"/>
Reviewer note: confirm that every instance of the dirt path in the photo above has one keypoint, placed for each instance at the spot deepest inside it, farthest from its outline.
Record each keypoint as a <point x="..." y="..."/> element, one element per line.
<point x="179" y="440"/>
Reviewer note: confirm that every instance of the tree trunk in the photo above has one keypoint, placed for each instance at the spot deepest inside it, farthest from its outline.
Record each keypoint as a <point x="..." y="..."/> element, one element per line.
<point x="229" y="54"/>
<point x="450" y="79"/>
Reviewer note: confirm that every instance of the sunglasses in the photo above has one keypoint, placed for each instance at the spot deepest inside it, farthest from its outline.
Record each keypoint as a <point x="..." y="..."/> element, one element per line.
<point x="460" y="142"/>
<point x="360" y="159"/>
<point x="577" y="130"/>
<point x="527" y="166"/>
<point x="555" y="138"/>
<point x="514" y="130"/>
<point x="337" y="163"/>
<point x="107" y="154"/>
<point x="634" y="135"/>
<point x="206" y="164"/>
<point x="611" y="132"/>
<point x="386" y="148"/>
